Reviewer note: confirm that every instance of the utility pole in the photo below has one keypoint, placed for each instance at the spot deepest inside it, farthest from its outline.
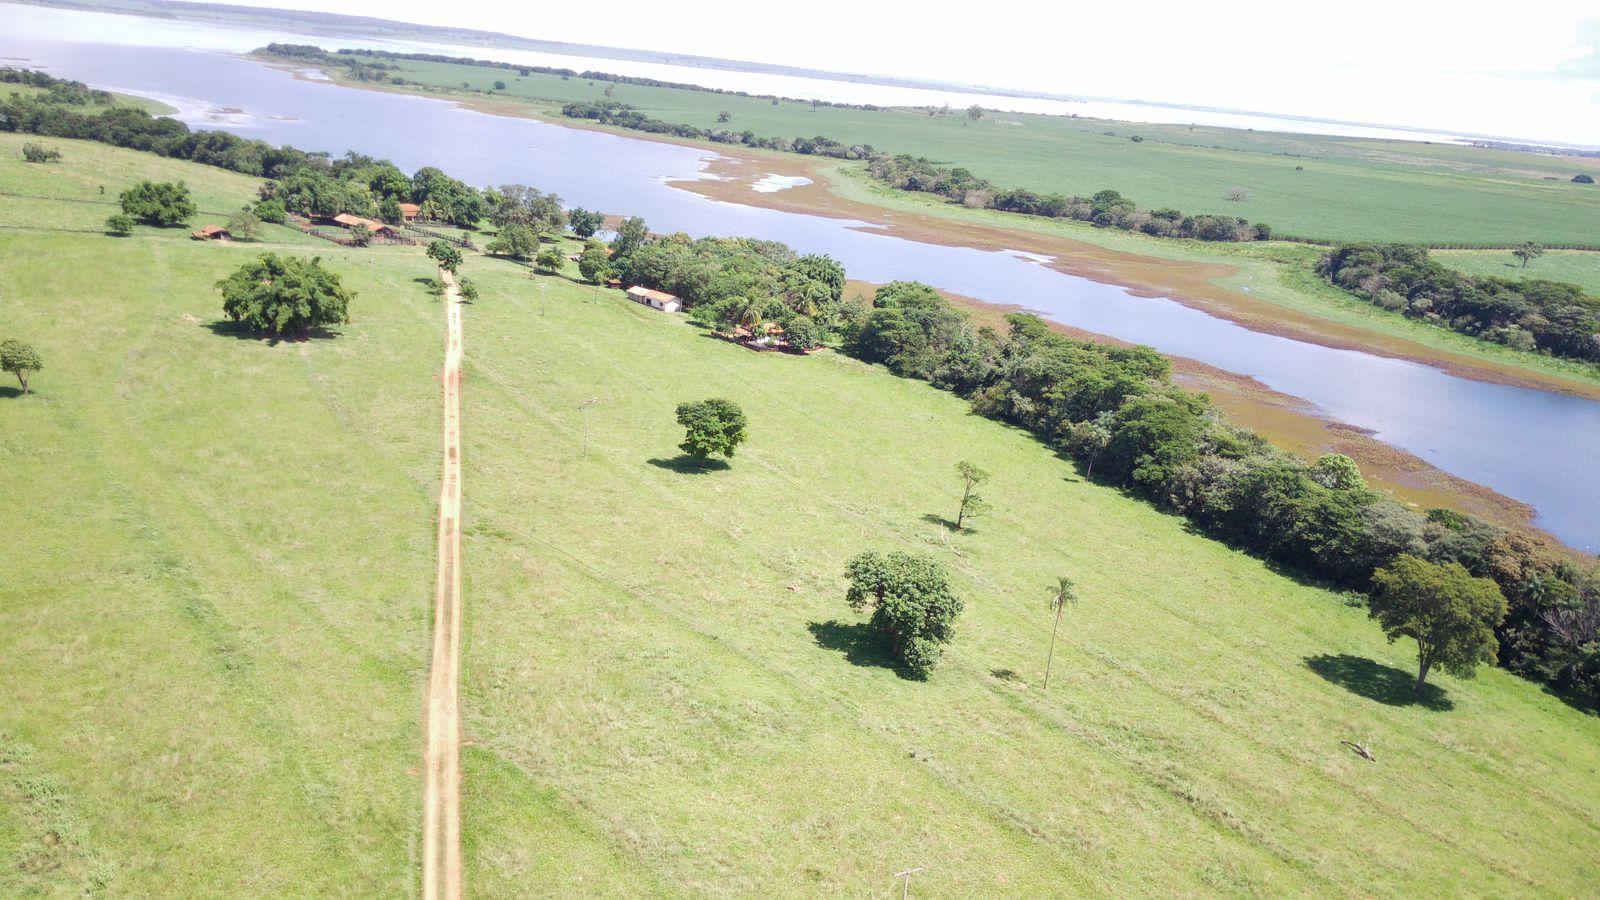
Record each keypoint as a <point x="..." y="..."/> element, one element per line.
<point x="583" y="410"/>
<point x="905" y="884"/>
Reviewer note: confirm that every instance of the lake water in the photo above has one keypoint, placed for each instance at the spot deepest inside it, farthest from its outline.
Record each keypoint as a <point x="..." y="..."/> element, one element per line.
<point x="1535" y="446"/>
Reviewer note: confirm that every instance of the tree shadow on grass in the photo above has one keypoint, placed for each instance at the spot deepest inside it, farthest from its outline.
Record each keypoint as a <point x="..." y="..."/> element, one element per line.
<point x="860" y="645"/>
<point x="688" y="465"/>
<point x="1374" y="681"/>
<point x="7" y="391"/>
<point x="946" y="524"/>
<point x="239" y="332"/>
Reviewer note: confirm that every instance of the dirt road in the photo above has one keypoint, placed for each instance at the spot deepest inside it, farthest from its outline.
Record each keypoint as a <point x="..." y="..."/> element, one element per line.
<point x="441" y="816"/>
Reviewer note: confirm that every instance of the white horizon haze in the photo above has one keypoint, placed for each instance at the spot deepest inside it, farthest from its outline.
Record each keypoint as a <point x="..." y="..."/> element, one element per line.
<point x="1532" y="73"/>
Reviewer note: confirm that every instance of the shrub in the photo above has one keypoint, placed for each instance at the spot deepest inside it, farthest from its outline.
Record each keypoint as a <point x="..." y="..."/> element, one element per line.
<point x="39" y="153"/>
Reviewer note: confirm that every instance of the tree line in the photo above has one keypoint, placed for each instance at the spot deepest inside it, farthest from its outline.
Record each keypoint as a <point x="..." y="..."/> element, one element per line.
<point x="1532" y="315"/>
<point x="622" y="115"/>
<point x="58" y="90"/>
<point x="732" y="283"/>
<point x="1107" y="208"/>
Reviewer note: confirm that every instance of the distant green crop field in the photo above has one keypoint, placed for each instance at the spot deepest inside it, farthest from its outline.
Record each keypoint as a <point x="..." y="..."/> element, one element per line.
<point x="1555" y="265"/>
<point x="219" y="554"/>
<point x="1305" y="185"/>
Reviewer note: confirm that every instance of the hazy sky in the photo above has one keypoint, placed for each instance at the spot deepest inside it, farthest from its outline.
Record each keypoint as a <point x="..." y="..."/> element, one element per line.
<point x="1528" y="69"/>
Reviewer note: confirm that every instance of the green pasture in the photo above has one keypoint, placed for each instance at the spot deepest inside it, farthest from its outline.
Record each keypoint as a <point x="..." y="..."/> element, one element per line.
<point x="664" y="683"/>
<point x="217" y="570"/>
<point x="1330" y="188"/>
<point x="219" y="560"/>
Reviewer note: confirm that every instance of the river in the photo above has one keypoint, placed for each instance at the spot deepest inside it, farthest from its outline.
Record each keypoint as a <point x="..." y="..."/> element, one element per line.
<point x="1535" y="446"/>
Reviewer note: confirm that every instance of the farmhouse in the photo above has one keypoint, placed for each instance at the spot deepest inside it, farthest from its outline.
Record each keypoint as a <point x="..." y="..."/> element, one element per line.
<point x="373" y="225"/>
<point x="655" y="299"/>
<point x="212" y="233"/>
<point x="410" y="211"/>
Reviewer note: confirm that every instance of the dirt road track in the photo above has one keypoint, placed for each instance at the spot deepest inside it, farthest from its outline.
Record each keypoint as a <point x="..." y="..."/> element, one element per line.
<point x="441" y="815"/>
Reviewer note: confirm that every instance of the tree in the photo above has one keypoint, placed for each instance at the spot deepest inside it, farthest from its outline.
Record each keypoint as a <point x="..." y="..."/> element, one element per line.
<point x="630" y="237"/>
<point x="1337" y="472"/>
<point x="1236" y="194"/>
<point x="594" y="264"/>
<point x="360" y="236"/>
<point x="724" y="116"/>
<point x="711" y="426"/>
<point x="271" y="210"/>
<point x="244" y="225"/>
<point x="1527" y="252"/>
<point x="19" y="359"/>
<point x="284" y="296"/>
<point x="974" y="112"/>
<point x="120" y="225"/>
<point x="550" y="259"/>
<point x="1583" y="178"/>
<point x="499" y="85"/>
<point x="389" y="211"/>
<point x="158" y="203"/>
<point x="447" y="256"/>
<point x="972" y="505"/>
<point x="913" y="605"/>
<point x="1065" y="592"/>
<point x="585" y="222"/>
<point x="1451" y="615"/>
<point x="515" y="240"/>
<point x="1089" y="439"/>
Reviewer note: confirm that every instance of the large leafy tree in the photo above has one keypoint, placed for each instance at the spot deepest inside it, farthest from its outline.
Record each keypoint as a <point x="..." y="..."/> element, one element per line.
<point x="20" y="359"/>
<point x="158" y="203"/>
<point x="585" y="222"/>
<point x="446" y="255"/>
<point x="515" y="240"/>
<point x="284" y="296"/>
<point x="824" y="269"/>
<point x="631" y="235"/>
<point x="595" y="263"/>
<point x="1451" y="615"/>
<point x="711" y="426"/>
<point x="913" y="605"/>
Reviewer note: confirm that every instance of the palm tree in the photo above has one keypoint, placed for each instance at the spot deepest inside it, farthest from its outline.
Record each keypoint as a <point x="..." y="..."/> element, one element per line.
<point x="1066" y="593"/>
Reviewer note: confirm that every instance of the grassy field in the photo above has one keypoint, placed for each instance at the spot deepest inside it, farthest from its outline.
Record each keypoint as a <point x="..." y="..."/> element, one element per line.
<point x="660" y="664"/>
<point x="216" y="571"/>
<point x="1305" y="185"/>
<point x="79" y="193"/>
<point x="1555" y="265"/>
<point x="219" y="556"/>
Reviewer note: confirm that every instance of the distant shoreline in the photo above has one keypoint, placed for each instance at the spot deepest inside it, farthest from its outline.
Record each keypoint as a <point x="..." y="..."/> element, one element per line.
<point x="369" y="29"/>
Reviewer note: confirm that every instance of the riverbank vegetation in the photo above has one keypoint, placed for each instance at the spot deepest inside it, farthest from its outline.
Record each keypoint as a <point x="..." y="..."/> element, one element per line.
<point x="193" y="631"/>
<point x="1528" y="314"/>
<point x="1115" y="411"/>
